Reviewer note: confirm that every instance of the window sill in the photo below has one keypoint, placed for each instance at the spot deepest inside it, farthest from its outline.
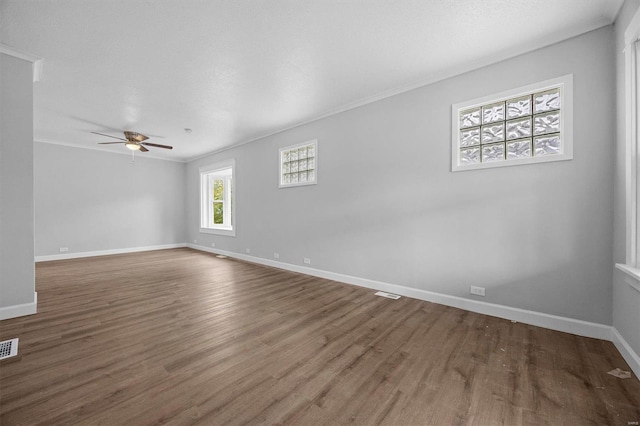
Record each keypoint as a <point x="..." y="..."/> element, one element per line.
<point x="219" y="231"/>
<point x="632" y="272"/>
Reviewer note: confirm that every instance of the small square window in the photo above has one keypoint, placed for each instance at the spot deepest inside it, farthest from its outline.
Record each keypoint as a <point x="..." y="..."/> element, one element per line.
<point x="298" y="164"/>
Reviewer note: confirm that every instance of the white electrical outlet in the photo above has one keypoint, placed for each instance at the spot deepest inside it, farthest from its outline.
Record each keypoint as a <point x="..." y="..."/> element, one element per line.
<point x="307" y="261"/>
<point x="478" y="291"/>
<point x="276" y="255"/>
<point x="64" y="249"/>
<point x="248" y="250"/>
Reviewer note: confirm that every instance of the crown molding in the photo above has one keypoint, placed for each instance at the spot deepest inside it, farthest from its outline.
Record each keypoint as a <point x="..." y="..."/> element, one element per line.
<point x="36" y="61"/>
<point x="450" y="72"/>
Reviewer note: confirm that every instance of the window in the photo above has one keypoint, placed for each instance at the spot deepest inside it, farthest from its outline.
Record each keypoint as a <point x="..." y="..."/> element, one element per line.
<point x="526" y="125"/>
<point x="298" y="164"/>
<point x="217" y="214"/>
<point x="632" y="140"/>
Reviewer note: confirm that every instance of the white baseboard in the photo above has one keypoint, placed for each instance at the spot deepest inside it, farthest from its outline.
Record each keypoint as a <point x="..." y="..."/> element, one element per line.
<point x="47" y="258"/>
<point x="14" y="311"/>
<point x="626" y="351"/>
<point x="539" y="319"/>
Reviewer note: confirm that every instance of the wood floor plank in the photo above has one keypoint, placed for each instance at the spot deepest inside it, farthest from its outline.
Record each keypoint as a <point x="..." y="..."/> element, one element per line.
<point x="182" y="337"/>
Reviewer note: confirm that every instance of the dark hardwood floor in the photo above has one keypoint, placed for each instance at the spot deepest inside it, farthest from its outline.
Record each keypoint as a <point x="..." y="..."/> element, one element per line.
<point x="182" y="337"/>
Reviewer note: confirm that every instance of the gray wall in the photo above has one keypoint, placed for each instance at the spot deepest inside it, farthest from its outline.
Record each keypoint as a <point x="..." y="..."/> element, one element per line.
<point x="388" y="208"/>
<point x="89" y="200"/>
<point x="626" y="300"/>
<point x="17" y="279"/>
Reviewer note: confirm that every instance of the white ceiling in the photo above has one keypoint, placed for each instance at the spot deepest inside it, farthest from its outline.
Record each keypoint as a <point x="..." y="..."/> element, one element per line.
<point x="234" y="71"/>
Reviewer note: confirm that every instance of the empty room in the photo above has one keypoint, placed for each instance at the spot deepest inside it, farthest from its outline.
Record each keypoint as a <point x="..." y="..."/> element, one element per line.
<point x="327" y="212"/>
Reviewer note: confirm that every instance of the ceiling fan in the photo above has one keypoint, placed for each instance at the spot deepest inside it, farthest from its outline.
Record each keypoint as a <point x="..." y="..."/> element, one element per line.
<point x="134" y="141"/>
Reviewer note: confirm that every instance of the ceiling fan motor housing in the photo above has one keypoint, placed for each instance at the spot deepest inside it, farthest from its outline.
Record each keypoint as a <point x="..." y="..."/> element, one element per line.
<point x="134" y="136"/>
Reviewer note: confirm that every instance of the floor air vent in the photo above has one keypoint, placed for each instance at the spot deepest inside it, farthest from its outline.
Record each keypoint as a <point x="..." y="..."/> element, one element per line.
<point x="388" y="295"/>
<point x="8" y="348"/>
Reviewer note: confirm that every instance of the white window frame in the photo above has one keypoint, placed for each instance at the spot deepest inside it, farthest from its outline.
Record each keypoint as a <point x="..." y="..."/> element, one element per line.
<point x="226" y="170"/>
<point x="565" y="83"/>
<point x="632" y="141"/>
<point x="281" y="182"/>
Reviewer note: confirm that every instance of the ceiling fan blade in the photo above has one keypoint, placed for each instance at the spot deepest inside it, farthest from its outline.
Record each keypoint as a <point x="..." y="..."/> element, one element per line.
<point x="109" y="136"/>
<point x="108" y="143"/>
<point x="157" y="145"/>
<point x="143" y="149"/>
<point x="135" y="136"/>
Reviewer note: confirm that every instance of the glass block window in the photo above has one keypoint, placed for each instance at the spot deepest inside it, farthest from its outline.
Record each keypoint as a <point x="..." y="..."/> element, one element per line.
<point x="298" y="164"/>
<point x="520" y="126"/>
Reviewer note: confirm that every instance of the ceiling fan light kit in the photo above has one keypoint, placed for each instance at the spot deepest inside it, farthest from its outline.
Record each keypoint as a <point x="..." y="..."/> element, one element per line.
<point x="134" y="141"/>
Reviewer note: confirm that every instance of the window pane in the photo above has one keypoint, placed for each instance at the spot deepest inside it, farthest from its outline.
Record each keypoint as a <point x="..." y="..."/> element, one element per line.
<point x="546" y="145"/>
<point x="470" y="156"/>
<point x="230" y="200"/>
<point x="470" y="137"/>
<point x="519" y="107"/>
<point x="302" y="153"/>
<point x="218" y="213"/>
<point x="517" y="129"/>
<point x="493" y="152"/>
<point x="547" y="123"/>
<point x="493" y="133"/>
<point x="492" y="113"/>
<point x="519" y="149"/>
<point x="546" y="101"/>
<point x="470" y="118"/>
<point x="218" y="189"/>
